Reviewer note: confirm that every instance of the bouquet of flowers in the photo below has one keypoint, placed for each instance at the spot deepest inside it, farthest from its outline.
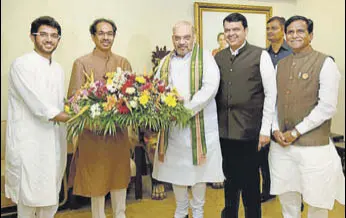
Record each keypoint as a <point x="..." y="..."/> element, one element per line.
<point x="124" y="100"/>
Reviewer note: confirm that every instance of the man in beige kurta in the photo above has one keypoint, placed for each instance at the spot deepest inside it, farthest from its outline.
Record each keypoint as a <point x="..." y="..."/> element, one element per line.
<point x="101" y="164"/>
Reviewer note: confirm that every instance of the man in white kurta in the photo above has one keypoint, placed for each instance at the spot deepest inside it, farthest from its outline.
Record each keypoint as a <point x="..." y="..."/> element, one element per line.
<point x="304" y="160"/>
<point x="177" y="167"/>
<point x="35" y="145"/>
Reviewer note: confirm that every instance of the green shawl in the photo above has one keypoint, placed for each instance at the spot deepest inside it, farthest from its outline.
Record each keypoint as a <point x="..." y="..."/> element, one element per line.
<point x="199" y="148"/>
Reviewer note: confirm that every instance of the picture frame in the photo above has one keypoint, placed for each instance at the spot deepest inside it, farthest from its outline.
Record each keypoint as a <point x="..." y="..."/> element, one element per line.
<point x="209" y="22"/>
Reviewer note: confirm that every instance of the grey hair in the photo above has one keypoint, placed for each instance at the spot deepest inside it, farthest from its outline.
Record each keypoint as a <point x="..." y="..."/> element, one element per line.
<point x="184" y="23"/>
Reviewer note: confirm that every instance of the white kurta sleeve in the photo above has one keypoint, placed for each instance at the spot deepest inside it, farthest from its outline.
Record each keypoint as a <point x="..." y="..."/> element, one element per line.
<point x="210" y="85"/>
<point x="270" y="92"/>
<point x="327" y="95"/>
<point x="275" y="125"/>
<point x="24" y="84"/>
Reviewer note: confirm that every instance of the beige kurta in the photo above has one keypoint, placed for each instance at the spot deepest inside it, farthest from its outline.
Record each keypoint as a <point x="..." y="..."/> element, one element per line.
<point x="100" y="164"/>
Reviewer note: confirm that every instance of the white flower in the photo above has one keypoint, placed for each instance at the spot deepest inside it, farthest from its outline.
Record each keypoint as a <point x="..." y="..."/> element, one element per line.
<point x="130" y="90"/>
<point x="133" y="104"/>
<point x="111" y="88"/>
<point x="95" y="110"/>
<point x="163" y="98"/>
<point x="119" y="70"/>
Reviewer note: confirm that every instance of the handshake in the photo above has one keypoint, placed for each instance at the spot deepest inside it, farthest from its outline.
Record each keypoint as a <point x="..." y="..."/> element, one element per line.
<point x="286" y="138"/>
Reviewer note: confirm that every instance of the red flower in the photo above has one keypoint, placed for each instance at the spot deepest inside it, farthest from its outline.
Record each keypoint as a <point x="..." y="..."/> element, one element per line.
<point x="161" y="88"/>
<point x="122" y="108"/>
<point x="147" y="78"/>
<point x="132" y="77"/>
<point x="101" y="91"/>
<point x="145" y="87"/>
<point x="128" y="84"/>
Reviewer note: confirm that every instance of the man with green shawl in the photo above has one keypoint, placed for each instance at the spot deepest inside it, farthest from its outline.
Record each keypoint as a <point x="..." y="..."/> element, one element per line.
<point x="190" y="156"/>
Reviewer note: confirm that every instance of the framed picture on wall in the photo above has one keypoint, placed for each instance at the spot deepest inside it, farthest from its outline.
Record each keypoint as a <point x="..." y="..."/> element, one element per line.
<point x="209" y="22"/>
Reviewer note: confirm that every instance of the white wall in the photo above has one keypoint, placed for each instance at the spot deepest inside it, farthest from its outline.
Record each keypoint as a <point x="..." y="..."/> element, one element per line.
<point x="142" y="24"/>
<point x="329" y="38"/>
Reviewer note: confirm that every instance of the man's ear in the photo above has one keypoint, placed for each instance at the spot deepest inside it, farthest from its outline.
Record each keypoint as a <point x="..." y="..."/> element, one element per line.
<point x="93" y="37"/>
<point x="311" y="36"/>
<point x="32" y="37"/>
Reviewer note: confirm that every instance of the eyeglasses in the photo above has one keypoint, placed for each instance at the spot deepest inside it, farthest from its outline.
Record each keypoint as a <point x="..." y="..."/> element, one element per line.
<point x="102" y="34"/>
<point x="46" y="35"/>
<point x="299" y="32"/>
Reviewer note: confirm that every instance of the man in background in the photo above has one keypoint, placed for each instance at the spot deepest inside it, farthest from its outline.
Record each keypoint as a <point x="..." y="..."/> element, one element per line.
<point x="277" y="50"/>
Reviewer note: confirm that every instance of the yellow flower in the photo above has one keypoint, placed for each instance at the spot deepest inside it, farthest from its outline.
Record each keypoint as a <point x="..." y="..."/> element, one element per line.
<point x="110" y="104"/>
<point x="67" y="109"/>
<point x="110" y="75"/>
<point x="104" y="105"/>
<point x="109" y="81"/>
<point x="140" y="79"/>
<point x="175" y="91"/>
<point x="171" y="100"/>
<point x="143" y="100"/>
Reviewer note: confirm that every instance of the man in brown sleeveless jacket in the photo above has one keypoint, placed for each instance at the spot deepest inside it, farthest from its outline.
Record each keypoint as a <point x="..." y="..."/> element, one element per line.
<point x="303" y="160"/>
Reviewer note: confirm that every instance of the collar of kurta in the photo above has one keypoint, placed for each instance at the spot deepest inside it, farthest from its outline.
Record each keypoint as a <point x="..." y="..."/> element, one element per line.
<point x="175" y="55"/>
<point x="43" y="59"/>
<point x="238" y="50"/>
<point x="198" y="141"/>
<point x="101" y="54"/>
<point x="304" y="53"/>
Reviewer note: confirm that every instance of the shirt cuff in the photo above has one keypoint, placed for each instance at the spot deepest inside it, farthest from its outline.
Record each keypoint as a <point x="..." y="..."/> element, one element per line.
<point x="52" y="113"/>
<point x="265" y="130"/>
<point x="302" y="128"/>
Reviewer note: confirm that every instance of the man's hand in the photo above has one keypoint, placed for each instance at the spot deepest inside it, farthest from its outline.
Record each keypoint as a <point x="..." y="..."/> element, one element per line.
<point x="280" y="138"/>
<point x="263" y="140"/>
<point x="289" y="138"/>
<point x="61" y="117"/>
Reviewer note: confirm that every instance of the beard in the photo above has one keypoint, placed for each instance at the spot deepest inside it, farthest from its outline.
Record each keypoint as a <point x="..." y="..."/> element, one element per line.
<point x="41" y="47"/>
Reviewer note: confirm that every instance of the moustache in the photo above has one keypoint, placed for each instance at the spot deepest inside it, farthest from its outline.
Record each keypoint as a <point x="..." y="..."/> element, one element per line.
<point x="182" y="46"/>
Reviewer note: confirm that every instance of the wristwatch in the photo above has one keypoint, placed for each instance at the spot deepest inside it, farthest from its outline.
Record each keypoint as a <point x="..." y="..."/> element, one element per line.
<point x="294" y="133"/>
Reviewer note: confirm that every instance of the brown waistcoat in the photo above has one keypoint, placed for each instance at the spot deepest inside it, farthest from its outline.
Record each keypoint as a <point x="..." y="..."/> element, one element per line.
<point x="298" y="86"/>
<point x="240" y="98"/>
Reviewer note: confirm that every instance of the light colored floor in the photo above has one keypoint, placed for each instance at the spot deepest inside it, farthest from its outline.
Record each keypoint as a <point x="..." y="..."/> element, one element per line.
<point x="148" y="208"/>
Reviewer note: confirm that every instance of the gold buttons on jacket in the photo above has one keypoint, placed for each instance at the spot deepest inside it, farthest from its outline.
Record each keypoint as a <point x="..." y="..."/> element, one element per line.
<point x="305" y="76"/>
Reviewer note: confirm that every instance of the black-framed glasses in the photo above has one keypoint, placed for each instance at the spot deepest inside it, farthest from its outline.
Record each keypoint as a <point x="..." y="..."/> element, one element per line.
<point x="46" y="35"/>
<point x="102" y="34"/>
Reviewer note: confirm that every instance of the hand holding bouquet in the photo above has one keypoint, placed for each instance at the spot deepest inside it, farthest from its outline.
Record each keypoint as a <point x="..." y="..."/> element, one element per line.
<point x="124" y="99"/>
